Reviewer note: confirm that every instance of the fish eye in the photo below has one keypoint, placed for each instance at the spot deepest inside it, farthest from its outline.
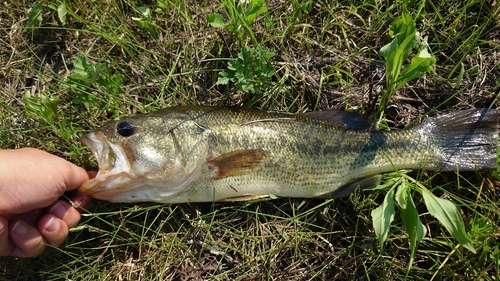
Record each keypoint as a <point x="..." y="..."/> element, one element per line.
<point x="125" y="129"/>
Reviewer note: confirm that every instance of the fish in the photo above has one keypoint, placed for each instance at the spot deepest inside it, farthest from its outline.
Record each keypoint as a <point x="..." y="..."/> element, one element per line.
<point x="206" y="154"/>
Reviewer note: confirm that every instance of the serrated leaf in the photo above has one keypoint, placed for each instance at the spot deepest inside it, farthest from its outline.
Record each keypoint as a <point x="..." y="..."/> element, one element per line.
<point x="35" y="16"/>
<point x="223" y="79"/>
<point x="216" y="20"/>
<point x="383" y="216"/>
<point x="62" y="12"/>
<point x="447" y="214"/>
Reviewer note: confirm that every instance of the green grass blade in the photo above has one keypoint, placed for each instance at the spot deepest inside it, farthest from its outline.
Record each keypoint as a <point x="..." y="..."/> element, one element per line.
<point x="35" y="17"/>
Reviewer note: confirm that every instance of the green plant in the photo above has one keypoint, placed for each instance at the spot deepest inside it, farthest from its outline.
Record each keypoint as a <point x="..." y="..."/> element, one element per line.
<point x="251" y="71"/>
<point x="46" y="108"/>
<point x="401" y="187"/>
<point x="240" y="17"/>
<point x="405" y="40"/>
<point x="300" y="8"/>
<point x="35" y="17"/>
<point x="322" y="60"/>
<point x="92" y="83"/>
<point x="146" y="22"/>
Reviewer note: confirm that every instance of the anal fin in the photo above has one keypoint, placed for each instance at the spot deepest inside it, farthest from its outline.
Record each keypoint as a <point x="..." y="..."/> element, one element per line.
<point x="247" y="197"/>
<point x="348" y="188"/>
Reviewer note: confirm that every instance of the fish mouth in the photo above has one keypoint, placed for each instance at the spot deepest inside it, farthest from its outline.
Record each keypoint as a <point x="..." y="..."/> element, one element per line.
<point x="114" y="168"/>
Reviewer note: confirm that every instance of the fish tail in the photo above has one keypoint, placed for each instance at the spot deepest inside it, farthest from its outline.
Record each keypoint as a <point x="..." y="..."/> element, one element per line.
<point x="467" y="140"/>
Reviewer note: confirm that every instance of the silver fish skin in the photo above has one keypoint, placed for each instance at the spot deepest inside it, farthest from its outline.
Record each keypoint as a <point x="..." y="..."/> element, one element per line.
<point x="205" y="154"/>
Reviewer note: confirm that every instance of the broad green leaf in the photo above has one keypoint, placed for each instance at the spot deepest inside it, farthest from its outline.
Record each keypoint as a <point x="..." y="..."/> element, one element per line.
<point x="50" y="103"/>
<point x="447" y="213"/>
<point x="252" y="16"/>
<point x="383" y="216"/>
<point x="42" y="106"/>
<point x="388" y="52"/>
<point x="32" y="104"/>
<point x="216" y="20"/>
<point x="403" y="50"/>
<point x="396" y="52"/>
<point x="81" y="69"/>
<point x="255" y="8"/>
<point x="409" y="215"/>
<point x="223" y="79"/>
<point x="62" y="11"/>
<point x="35" y="16"/>
<point x="402" y="27"/>
<point x="420" y="64"/>
<point x="145" y="11"/>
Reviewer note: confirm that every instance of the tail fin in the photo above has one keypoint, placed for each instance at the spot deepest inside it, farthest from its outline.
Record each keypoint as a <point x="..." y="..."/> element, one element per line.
<point x="467" y="139"/>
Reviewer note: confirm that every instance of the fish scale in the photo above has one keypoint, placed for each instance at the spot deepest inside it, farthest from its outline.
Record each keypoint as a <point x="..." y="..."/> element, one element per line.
<point x="204" y="154"/>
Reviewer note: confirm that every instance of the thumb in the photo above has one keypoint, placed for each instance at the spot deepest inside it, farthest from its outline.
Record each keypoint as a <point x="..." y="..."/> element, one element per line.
<point x="75" y="177"/>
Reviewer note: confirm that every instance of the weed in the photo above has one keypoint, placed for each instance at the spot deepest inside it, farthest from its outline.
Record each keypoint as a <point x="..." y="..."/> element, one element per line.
<point x="35" y="17"/>
<point x="146" y="21"/>
<point x="240" y="17"/>
<point x="326" y="56"/>
<point x="251" y="71"/>
<point x="301" y="8"/>
<point x="401" y="192"/>
<point x="395" y="53"/>
<point x="92" y="83"/>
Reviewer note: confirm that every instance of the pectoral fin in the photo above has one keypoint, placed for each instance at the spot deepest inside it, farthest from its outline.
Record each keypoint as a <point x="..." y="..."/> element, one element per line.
<point x="238" y="162"/>
<point x="363" y="183"/>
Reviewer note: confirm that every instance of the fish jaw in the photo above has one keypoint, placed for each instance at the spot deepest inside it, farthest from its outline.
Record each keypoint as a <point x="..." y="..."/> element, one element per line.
<point x="114" y="168"/>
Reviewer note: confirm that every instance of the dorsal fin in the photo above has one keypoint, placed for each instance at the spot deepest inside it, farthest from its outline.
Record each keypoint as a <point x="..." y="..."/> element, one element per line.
<point x="341" y="119"/>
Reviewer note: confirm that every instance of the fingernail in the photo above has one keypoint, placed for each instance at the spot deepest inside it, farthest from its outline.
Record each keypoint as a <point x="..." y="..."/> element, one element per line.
<point x="20" y="228"/>
<point x="52" y="225"/>
<point x="77" y="201"/>
<point x="58" y="209"/>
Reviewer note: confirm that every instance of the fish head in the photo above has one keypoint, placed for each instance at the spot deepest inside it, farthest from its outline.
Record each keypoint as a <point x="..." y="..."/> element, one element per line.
<point x="146" y="158"/>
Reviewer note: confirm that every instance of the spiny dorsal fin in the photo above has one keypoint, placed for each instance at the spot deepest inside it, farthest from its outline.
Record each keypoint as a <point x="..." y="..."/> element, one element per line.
<point x="342" y="119"/>
<point x="238" y="162"/>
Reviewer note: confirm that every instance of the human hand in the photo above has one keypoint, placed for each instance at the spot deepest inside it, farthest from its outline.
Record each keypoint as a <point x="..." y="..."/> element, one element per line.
<point x="31" y="216"/>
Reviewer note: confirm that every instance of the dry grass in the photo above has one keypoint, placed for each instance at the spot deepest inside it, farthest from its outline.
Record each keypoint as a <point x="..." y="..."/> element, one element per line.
<point x="326" y="58"/>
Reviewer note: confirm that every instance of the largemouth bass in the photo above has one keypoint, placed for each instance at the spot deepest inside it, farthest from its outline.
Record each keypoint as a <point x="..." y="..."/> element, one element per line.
<point x="204" y="154"/>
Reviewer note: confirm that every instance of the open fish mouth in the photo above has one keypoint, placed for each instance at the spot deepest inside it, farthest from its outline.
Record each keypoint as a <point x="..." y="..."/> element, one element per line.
<point x="114" y="168"/>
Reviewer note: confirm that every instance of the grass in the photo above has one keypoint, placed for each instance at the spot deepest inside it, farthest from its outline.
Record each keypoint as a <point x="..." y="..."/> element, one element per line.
<point x="326" y="55"/>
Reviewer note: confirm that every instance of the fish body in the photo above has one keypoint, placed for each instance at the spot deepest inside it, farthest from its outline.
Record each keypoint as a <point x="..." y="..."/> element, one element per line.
<point x="205" y="154"/>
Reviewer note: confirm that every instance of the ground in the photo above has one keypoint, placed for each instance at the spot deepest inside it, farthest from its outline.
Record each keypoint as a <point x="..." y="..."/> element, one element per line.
<point x="326" y="56"/>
